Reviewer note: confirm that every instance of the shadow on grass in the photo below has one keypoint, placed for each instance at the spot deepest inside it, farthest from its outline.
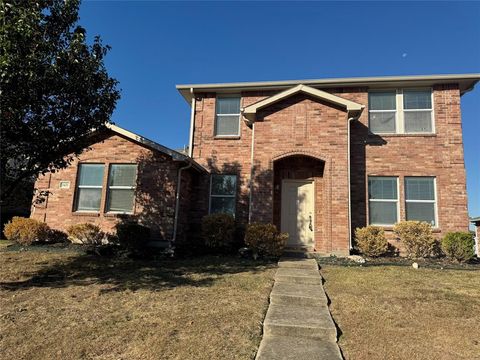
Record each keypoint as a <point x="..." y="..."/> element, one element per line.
<point x="128" y="274"/>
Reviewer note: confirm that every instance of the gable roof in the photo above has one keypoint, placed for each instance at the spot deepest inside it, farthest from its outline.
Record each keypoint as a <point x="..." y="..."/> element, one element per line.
<point x="175" y="155"/>
<point x="466" y="82"/>
<point x="249" y="112"/>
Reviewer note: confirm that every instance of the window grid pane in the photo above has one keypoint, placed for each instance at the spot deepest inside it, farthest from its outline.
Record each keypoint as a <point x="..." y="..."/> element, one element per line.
<point x="90" y="174"/>
<point x="418" y="121"/>
<point x="227" y="118"/>
<point x="382" y="122"/>
<point x="222" y="205"/>
<point x="89" y="187"/>
<point x="228" y="105"/>
<point x="121" y="188"/>
<point x="419" y="188"/>
<point x="383" y="200"/>
<point x="88" y="199"/>
<point x="382" y="188"/>
<point x="223" y="194"/>
<point x="382" y="100"/>
<point x="421" y="211"/>
<point x="417" y="99"/>
<point x="227" y="125"/>
<point x="420" y="199"/>
<point x="224" y="185"/>
<point x="383" y="212"/>
<point x="122" y="175"/>
<point x="120" y="200"/>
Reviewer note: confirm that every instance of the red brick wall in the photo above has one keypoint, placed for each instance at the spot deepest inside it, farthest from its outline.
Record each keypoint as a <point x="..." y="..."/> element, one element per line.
<point x="439" y="155"/>
<point x="298" y="125"/>
<point x="155" y="193"/>
<point x="301" y="125"/>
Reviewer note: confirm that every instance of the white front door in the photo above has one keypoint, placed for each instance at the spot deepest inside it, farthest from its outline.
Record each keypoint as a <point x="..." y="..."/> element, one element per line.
<point x="297" y="211"/>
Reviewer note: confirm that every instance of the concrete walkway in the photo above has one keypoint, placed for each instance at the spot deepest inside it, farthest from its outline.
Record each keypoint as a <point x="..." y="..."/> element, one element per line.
<point x="298" y="324"/>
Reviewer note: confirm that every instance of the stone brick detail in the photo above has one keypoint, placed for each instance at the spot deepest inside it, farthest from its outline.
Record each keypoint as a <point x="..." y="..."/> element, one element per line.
<point x="155" y="191"/>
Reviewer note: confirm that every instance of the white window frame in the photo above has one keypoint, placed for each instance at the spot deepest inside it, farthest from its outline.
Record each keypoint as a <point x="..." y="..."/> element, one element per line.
<point x="400" y="112"/>
<point x="221" y="196"/>
<point x="384" y="111"/>
<point x="397" y="200"/>
<point x="117" y="187"/>
<point x="434" y="201"/>
<point x="216" y="116"/>
<point x="431" y="110"/>
<point x="78" y="186"/>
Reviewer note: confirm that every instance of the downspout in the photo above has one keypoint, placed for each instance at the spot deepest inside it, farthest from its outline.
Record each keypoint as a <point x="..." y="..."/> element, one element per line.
<point x="192" y="124"/>
<point x="349" y="185"/>
<point x="250" y="206"/>
<point x="177" y="201"/>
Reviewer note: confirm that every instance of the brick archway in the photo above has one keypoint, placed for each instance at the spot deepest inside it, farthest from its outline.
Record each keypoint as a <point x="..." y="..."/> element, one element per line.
<point x="306" y="164"/>
<point x="300" y="152"/>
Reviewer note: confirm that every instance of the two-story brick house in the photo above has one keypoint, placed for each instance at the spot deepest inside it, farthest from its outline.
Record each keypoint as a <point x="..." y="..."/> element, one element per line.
<point x="318" y="158"/>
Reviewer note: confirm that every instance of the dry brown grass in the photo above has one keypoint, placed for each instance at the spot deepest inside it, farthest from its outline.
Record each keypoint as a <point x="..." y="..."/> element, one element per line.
<point x="388" y="312"/>
<point x="73" y="306"/>
<point x="4" y="243"/>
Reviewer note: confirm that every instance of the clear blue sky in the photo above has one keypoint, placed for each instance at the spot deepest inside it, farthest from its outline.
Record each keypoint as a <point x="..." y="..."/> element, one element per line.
<point x="156" y="45"/>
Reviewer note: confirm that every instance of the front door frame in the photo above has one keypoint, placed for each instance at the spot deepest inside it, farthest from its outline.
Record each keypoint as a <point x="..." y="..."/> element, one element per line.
<point x="302" y="181"/>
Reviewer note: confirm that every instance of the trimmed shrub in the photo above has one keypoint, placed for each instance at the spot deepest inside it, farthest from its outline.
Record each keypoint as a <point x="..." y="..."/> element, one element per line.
<point x="86" y="234"/>
<point x="265" y="240"/>
<point x="458" y="246"/>
<point x="132" y="235"/>
<point x="26" y="231"/>
<point x="371" y="240"/>
<point x="417" y="238"/>
<point x="218" y="231"/>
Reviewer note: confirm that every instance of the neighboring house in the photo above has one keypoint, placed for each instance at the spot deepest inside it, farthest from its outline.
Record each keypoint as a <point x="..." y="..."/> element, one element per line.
<point x="318" y="158"/>
<point x="476" y="222"/>
<point x="123" y="176"/>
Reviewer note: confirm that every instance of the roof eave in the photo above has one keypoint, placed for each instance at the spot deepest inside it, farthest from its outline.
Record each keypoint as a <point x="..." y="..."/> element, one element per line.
<point x="175" y="155"/>
<point x="466" y="82"/>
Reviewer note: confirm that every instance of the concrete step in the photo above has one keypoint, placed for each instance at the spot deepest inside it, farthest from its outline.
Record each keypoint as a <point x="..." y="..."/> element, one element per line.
<point x="297" y="263"/>
<point x="298" y="276"/>
<point x="298" y="253"/>
<point x="295" y="348"/>
<point x="301" y="321"/>
<point x="284" y="293"/>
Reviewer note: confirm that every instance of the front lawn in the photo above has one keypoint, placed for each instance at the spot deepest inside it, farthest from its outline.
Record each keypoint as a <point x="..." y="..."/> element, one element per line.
<point x="56" y="305"/>
<point x="4" y="243"/>
<point x="397" y="312"/>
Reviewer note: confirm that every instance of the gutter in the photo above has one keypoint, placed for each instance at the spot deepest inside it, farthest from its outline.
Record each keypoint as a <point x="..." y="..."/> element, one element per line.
<point x="250" y="206"/>
<point x="349" y="122"/>
<point x="192" y="123"/>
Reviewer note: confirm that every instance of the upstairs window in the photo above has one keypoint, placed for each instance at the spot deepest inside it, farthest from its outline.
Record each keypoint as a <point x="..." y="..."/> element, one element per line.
<point x="121" y="188"/>
<point x="420" y="203"/>
<point x="403" y="111"/>
<point x="89" y="187"/>
<point x="417" y="111"/>
<point x="382" y="200"/>
<point x="382" y="111"/>
<point x="227" y="118"/>
<point x="223" y="189"/>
